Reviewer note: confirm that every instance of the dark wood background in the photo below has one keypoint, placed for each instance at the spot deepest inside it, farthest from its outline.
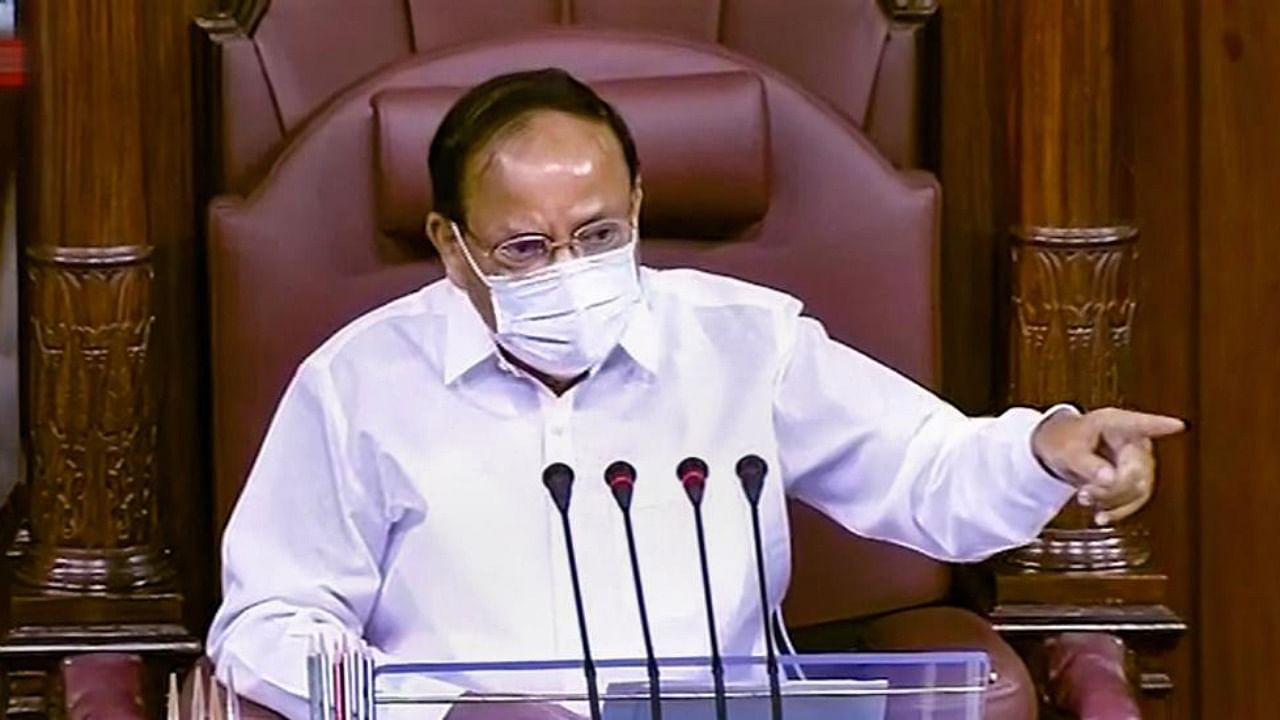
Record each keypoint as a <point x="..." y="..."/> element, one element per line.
<point x="1201" y="96"/>
<point x="1200" y="178"/>
<point x="1237" y="249"/>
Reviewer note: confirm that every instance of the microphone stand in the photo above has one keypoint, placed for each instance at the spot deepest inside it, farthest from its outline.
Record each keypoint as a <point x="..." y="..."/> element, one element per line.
<point x="558" y="478"/>
<point x="751" y="471"/>
<point x="620" y="476"/>
<point x="693" y="475"/>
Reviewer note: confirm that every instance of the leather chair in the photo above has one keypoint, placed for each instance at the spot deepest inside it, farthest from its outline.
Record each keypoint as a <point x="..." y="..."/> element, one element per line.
<point x="763" y="173"/>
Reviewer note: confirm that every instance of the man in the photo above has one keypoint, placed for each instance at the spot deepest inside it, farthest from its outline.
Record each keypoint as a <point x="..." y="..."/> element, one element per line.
<point x="396" y="497"/>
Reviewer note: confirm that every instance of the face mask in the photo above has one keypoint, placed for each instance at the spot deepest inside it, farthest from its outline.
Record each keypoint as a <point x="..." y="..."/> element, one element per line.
<point x="565" y="318"/>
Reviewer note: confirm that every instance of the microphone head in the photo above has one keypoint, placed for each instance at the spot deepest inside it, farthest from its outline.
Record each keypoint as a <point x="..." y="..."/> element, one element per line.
<point x="751" y="470"/>
<point x="692" y="473"/>
<point x="558" y="478"/>
<point x="620" y="476"/>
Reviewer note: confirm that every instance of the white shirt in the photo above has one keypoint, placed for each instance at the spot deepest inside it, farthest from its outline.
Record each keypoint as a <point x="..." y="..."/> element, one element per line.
<point x="398" y="496"/>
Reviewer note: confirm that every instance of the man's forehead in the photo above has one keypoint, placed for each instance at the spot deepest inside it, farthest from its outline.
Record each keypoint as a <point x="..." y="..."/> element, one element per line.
<point x="549" y="142"/>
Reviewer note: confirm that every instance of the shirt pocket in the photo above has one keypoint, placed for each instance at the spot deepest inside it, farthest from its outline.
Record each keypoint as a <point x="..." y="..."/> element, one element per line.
<point x="667" y="551"/>
<point x="666" y="538"/>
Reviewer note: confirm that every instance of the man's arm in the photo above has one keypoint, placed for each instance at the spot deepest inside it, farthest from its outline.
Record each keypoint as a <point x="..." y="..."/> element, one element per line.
<point x="301" y="553"/>
<point x="891" y="461"/>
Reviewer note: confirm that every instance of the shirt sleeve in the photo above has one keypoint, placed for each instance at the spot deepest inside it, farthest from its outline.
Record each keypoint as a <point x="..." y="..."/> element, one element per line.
<point x="891" y="461"/>
<point x="301" y="554"/>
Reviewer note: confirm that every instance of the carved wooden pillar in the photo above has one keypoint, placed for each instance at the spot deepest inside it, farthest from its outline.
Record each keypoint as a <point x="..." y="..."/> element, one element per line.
<point x="1074" y="253"/>
<point x="91" y="419"/>
<point x="1074" y="297"/>
<point x="93" y="571"/>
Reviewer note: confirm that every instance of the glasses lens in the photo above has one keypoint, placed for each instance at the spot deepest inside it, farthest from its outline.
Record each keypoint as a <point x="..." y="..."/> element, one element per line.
<point x="602" y="236"/>
<point x="522" y="251"/>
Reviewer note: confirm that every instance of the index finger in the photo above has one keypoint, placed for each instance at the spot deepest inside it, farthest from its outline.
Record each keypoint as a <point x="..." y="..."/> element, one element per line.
<point x="1143" y="424"/>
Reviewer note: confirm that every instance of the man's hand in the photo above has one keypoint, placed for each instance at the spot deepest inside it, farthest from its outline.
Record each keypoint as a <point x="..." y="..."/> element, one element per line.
<point x="1106" y="454"/>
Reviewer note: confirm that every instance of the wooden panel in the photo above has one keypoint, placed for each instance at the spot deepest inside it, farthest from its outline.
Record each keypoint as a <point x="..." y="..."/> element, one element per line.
<point x="1157" y="57"/>
<point x="1239" y="487"/>
<point x="181" y="338"/>
<point x="975" y="210"/>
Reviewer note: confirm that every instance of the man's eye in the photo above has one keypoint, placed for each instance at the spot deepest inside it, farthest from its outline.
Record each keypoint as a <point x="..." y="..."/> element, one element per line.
<point x="523" y="248"/>
<point x="600" y="237"/>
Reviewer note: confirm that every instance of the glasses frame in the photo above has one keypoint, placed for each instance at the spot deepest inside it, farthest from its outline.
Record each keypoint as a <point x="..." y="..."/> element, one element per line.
<point x="550" y="244"/>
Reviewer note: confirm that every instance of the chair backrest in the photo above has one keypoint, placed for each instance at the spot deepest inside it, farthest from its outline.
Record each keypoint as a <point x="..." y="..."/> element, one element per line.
<point x="283" y="60"/>
<point x="746" y="173"/>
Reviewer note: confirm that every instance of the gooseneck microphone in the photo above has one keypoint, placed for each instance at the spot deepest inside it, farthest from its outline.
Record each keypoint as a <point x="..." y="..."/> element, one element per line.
<point x="558" y="478"/>
<point x="620" y="476"/>
<point x="692" y="473"/>
<point x="751" y="470"/>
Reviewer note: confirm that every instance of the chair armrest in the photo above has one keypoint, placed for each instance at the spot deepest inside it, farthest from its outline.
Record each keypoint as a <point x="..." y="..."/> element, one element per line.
<point x="103" y="686"/>
<point x="1011" y="697"/>
<point x="1087" y="677"/>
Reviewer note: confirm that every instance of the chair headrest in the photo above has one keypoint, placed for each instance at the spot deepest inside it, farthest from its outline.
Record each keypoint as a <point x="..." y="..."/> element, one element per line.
<point x="703" y="142"/>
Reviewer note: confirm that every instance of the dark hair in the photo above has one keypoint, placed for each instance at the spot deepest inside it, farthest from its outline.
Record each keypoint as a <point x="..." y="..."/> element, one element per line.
<point x="496" y="104"/>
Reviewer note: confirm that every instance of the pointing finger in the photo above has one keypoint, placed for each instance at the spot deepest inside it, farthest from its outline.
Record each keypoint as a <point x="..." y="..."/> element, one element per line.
<point x="1136" y="424"/>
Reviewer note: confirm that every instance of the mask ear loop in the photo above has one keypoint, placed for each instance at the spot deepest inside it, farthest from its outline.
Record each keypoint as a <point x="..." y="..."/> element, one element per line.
<point x="466" y="253"/>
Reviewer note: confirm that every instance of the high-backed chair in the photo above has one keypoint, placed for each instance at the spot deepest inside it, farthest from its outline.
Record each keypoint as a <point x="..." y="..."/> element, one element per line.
<point x="774" y="140"/>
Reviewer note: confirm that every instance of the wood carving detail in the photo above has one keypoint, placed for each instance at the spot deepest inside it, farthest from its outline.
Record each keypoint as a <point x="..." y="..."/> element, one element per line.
<point x="1074" y="302"/>
<point x="1074" y="293"/>
<point x="92" y="420"/>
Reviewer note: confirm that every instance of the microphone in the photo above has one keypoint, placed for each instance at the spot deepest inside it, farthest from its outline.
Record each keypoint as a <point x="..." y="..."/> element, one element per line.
<point x="751" y="470"/>
<point x="558" y="479"/>
<point x="692" y="473"/>
<point x="620" y="476"/>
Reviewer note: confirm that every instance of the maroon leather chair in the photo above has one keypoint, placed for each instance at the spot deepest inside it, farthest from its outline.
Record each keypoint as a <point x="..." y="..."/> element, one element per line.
<point x="770" y="156"/>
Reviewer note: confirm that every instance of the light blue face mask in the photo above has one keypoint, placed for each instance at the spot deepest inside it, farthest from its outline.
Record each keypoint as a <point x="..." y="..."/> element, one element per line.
<point x="564" y="319"/>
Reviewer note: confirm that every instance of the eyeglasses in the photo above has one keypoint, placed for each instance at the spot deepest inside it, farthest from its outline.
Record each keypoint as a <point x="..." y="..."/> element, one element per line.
<point x="530" y="251"/>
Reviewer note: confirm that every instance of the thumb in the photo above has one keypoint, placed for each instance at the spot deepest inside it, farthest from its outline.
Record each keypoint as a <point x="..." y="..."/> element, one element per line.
<point x="1087" y="468"/>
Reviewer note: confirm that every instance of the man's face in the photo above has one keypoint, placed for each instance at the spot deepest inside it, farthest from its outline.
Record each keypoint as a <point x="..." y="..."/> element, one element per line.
<point x="549" y="175"/>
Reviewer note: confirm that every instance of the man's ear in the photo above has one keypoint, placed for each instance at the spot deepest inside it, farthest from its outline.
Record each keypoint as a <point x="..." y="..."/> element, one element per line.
<point x="637" y="199"/>
<point x="443" y="236"/>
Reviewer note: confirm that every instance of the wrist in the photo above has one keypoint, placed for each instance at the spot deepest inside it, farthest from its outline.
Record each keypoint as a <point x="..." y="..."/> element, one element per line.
<point x="1051" y="424"/>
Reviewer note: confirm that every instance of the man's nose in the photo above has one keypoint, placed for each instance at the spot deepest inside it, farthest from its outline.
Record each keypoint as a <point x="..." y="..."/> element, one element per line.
<point x="564" y="253"/>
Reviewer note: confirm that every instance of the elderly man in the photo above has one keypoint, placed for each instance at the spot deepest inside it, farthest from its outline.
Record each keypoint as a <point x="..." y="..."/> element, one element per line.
<point x="405" y="455"/>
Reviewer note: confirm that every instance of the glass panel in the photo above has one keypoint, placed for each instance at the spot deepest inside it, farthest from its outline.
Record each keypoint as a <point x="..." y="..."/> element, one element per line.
<point x="858" y="686"/>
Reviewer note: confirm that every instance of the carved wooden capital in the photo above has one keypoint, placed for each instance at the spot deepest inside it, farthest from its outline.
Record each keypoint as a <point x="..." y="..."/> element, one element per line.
<point x="92" y="428"/>
<point x="1074" y="298"/>
<point x="1073" y="307"/>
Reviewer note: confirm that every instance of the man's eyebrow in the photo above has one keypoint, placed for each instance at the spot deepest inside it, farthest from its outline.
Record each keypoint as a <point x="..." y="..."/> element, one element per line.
<point x="596" y="216"/>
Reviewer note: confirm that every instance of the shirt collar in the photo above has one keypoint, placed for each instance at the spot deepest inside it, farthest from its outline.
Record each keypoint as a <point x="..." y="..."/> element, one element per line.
<point x="640" y="339"/>
<point x="468" y="341"/>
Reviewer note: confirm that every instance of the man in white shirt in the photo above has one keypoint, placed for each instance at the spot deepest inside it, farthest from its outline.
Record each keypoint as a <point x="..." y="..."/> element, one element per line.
<point x="397" y="495"/>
